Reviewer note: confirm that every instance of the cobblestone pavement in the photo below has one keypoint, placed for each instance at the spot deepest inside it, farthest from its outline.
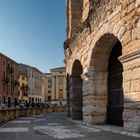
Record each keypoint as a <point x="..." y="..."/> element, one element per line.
<point x="53" y="126"/>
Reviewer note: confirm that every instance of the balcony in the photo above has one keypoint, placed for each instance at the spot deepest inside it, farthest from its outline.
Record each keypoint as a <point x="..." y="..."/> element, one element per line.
<point x="11" y="70"/>
<point x="8" y="67"/>
<point x="5" y="80"/>
<point x="15" y="83"/>
<point x="24" y="88"/>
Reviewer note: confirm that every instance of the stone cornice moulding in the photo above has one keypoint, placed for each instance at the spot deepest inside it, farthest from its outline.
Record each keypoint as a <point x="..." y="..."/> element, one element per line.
<point x="130" y="56"/>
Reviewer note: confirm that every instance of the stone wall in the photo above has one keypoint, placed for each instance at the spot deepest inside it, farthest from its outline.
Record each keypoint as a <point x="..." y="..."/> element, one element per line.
<point x="11" y="114"/>
<point x="131" y="83"/>
<point x="91" y="43"/>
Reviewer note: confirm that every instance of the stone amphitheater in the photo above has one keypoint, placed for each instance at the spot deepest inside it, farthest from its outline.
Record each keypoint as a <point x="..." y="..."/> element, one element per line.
<point x="102" y="57"/>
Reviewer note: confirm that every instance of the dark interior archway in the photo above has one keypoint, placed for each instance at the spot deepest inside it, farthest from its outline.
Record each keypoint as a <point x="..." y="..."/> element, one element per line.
<point x="115" y="89"/>
<point x="3" y="100"/>
<point x="15" y="102"/>
<point x="106" y="74"/>
<point x="76" y="96"/>
<point x="9" y="102"/>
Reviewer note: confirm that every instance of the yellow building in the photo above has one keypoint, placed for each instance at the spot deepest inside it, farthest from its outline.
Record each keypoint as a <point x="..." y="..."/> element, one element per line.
<point x="23" y="88"/>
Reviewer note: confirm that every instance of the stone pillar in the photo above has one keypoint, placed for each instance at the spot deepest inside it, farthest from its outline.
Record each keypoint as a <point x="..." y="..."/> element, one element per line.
<point x="57" y="88"/>
<point x="94" y="99"/>
<point x="64" y="88"/>
<point x="53" y="88"/>
<point x="76" y="97"/>
<point x="131" y="85"/>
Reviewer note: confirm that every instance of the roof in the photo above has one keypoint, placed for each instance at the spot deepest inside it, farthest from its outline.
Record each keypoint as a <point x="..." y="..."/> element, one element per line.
<point x="58" y="69"/>
<point x="37" y="69"/>
<point x="8" y="58"/>
<point x="47" y="73"/>
<point x="21" y="73"/>
<point x="31" y="67"/>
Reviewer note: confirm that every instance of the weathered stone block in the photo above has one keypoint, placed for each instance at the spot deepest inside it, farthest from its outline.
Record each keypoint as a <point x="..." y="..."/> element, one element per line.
<point x="127" y="37"/>
<point x="136" y="34"/>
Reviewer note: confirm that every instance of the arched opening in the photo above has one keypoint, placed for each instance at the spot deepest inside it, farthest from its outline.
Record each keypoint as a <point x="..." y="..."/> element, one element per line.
<point x="4" y="100"/>
<point x="106" y="75"/>
<point x="115" y="90"/>
<point x="15" y="102"/>
<point x="9" y="102"/>
<point x="76" y="95"/>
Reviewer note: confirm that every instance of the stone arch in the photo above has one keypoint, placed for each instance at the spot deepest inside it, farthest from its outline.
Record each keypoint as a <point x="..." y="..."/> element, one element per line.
<point x="76" y="95"/>
<point x="76" y="57"/>
<point x="99" y="74"/>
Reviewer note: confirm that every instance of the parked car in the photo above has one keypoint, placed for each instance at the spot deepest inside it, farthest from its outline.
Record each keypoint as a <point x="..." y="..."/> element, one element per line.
<point x="2" y="106"/>
<point x="22" y="105"/>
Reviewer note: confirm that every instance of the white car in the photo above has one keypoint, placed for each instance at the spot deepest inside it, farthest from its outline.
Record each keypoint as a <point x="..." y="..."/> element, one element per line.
<point x="2" y="106"/>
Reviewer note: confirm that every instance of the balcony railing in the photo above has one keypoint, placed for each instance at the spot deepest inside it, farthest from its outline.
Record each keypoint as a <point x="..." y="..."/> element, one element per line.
<point x="5" y="80"/>
<point x="11" y="70"/>
<point x="15" y="83"/>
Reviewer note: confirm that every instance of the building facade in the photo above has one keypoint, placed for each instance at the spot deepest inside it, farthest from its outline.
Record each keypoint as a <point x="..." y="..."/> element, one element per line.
<point x="102" y="57"/>
<point x="55" y="86"/>
<point x="58" y="86"/>
<point x="47" y="87"/>
<point x="35" y="81"/>
<point x="8" y="82"/>
<point x="23" y="88"/>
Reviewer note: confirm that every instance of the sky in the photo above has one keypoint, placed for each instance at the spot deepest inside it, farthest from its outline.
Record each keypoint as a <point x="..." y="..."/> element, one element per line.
<point x="33" y="31"/>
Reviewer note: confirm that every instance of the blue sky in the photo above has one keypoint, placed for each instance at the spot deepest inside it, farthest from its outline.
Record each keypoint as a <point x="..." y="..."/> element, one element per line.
<point x="33" y="32"/>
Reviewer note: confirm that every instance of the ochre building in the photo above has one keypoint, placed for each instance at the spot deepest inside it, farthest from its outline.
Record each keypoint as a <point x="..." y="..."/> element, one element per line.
<point x="35" y="80"/>
<point x="102" y="57"/>
<point x="23" y="88"/>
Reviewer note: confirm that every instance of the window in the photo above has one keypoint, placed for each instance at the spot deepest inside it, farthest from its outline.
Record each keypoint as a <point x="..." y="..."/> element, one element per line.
<point x="49" y="81"/>
<point x="61" y="95"/>
<point x="49" y="86"/>
<point x="60" y="89"/>
<point x="8" y="66"/>
<point x="4" y="74"/>
<point x="3" y="87"/>
<point x="49" y="98"/>
<point x="49" y="91"/>
<point x="60" y="81"/>
<point x="18" y="93"/>
<point x="3" y="62"/>
<point x="24" y="94"/>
